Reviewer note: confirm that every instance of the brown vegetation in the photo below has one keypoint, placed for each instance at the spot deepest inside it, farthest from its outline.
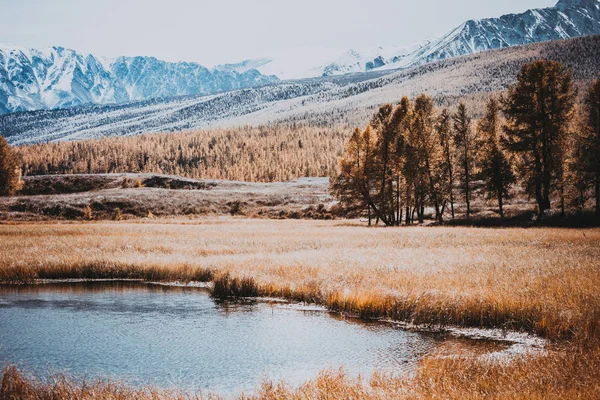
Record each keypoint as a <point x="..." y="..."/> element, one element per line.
<point x="96" y="197"/>
<point x="261" y="154"/>
<point x="405" y="159"/>
<point x="556" y="375"/>
<point x="10" y="169"/>
<point x="542" y="281"/>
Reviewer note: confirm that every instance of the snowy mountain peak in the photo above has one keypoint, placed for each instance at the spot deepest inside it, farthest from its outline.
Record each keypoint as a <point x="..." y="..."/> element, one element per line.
<point x="569" y="18"/>
<point x="57" y="77"/>
<point x="562" y="4"/>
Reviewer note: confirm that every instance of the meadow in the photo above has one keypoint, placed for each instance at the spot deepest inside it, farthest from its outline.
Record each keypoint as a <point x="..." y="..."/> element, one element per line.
<point x="542" y="281"/>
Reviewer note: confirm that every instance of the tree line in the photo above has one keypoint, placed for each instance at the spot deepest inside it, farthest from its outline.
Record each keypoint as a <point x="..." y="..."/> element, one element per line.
<point x="412" y="156"/>
<point x="269" y="153"/>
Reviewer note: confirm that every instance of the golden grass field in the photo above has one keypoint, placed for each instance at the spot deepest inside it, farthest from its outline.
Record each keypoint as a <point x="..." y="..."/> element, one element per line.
<point x="543" y="281"/>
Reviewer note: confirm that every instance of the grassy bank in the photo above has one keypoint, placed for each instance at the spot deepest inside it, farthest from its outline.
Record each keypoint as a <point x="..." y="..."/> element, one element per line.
<point x="556" y="375"/>
<point x="543" y="281"/>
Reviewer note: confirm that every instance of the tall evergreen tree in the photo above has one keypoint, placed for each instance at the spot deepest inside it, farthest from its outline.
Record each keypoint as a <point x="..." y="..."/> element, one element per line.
<point x="495" y="167"/>
<point x="538" y="109"/>
<point x="588" y="151"/>
<point x="353" y="185"/>
<point x="428" y="153"/>
<point x="465" y="142"/>
<point x="445" y="139"/>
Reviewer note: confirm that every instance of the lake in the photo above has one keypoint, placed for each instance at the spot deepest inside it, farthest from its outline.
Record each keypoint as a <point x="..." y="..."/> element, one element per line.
<point x="180" y="337"/>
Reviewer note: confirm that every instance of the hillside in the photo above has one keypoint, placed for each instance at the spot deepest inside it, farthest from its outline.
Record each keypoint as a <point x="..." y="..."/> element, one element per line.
<point x="330" y="101"/>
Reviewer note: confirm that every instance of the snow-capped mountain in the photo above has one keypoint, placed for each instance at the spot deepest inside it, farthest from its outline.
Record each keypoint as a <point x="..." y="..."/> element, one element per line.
<point x="567" y="19"/>
<point x="312" y="62"/>
<point x="345" y="100"/>
<point x="60" y="78"/>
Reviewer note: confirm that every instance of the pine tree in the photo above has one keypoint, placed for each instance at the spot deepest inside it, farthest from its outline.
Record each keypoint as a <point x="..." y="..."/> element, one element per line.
<point x="495" y="167"/>
<point x="10" y="169"/>
<point x="465" y="143"/>
<point x="538" y="109"/>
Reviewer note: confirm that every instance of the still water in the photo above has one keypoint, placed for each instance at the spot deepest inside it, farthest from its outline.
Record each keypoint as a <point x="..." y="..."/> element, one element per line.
<point x="148" y="334"/>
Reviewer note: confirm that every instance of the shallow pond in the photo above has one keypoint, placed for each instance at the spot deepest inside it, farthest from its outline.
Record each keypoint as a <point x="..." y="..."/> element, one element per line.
<point x="165" y="336"/>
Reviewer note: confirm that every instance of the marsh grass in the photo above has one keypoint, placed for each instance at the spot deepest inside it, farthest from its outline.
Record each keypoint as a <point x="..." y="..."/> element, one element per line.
<point x="226" y="286"/>
<point x="542" y="281"/>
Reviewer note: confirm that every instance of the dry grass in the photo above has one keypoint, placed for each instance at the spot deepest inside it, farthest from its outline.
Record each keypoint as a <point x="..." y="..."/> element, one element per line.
<point x="543" y="281"/>
<point x="539" y="280"/>
<point x="556" y="375"/>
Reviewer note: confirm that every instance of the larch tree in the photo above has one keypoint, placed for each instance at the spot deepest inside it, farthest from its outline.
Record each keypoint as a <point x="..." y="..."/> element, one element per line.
<point x="465" y="143"/>
<point x="538" y="110"/>
<point x="588" y="153"/>
<point x="428" y="151"/>
<point x="444" y="132"/>
<point x="10" y="169"/>
<point x="353" y="184"/>
<point x="495" y="166"/>
<point x="384" y="157"/>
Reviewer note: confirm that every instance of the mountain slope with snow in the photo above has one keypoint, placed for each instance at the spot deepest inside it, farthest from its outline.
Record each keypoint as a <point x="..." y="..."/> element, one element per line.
<point x="567" y="19"/>
<point x="346" y="100"/>
<point x="61" y="78"/>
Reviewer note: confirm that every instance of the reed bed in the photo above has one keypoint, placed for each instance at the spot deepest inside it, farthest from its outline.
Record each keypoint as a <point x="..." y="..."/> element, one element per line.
<point x="542" y="280"/>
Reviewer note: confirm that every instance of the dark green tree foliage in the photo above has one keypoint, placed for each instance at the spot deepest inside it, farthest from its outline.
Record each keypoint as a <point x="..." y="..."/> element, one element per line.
<point x="587" y="152"/>
<point x="465" y="142"/>
<point x="538" y="110"/>
<point x="352" y="186"/>
<point x="495" y="167"/>
<point x="10" y="169"/>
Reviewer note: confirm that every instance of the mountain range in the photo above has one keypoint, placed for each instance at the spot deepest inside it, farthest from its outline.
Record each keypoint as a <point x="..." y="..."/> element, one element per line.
<point x="567" y="19"/>
<point x="341" y="101"/>
<point x="57" y="78"/>
<point x="60" y="78"/>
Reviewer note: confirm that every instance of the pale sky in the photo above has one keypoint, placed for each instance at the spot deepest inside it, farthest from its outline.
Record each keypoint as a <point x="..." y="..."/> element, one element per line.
<point x="219" y="31"/>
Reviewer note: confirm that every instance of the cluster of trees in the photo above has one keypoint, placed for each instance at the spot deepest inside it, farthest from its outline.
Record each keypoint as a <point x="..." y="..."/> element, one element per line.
<point x="10" y="169"/>
<point x="256" y="154"/>
<point x="413" y="156"/>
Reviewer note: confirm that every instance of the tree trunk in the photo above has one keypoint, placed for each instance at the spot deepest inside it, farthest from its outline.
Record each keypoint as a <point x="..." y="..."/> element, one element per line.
<point x="369" y="211"/>
<point x="467" y="194"/>
<point x="449" y="161"/>
<point x="436" y="205"/>
<point x="407" y="205"/>
<point x="539" y="197"/>
<point x="597" y="194"/>
<point x="451" y="199"/>
<point x="562" y="199"/>
<point x="500" y="203"/>
<point x="398" y="215"/>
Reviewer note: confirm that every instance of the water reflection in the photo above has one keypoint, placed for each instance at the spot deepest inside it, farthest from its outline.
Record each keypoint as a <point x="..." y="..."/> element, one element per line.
<point x="178" y="336"/>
